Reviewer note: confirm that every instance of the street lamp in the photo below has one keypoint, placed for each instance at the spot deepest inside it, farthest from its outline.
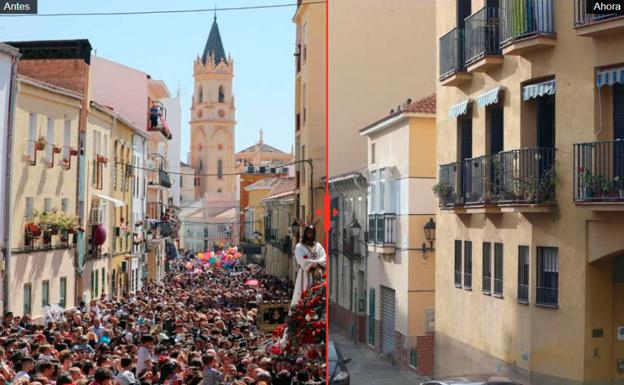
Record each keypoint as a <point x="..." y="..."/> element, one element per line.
<point x="355" y="228"/>
<point x="295" y="227"/>
<point x="429" y="228"/>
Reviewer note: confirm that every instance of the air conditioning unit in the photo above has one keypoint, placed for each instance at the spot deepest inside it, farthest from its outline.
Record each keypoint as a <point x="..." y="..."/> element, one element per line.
<point x="96" y="215"/>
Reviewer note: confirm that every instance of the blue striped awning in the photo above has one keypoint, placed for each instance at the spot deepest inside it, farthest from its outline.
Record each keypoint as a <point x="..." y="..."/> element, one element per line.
<point x="459" y="109"/>
<point x="609" y="77"/>
<point x="490" y="97"/>
<point x="537" y="90"/>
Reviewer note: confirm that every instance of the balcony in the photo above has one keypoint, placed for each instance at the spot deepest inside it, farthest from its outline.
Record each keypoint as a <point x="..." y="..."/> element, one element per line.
<point x="512" y="181"/>
<point x="481" y="50"/>
<point x="452" y="65"/>
<point x="381" y="233"/>
<point x="159" y="180"/>
<point x="526" y="26"/>
<point x="157" y="123"/>
<point x="593" y="24"/>
<point x="599" y="175"/>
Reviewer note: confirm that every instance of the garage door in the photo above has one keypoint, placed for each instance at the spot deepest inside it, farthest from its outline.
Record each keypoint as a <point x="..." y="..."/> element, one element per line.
<point x="387" y="320"/>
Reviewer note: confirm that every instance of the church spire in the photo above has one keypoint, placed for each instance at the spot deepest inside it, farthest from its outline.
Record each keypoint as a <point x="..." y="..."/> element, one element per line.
<point x="214" y="44"/>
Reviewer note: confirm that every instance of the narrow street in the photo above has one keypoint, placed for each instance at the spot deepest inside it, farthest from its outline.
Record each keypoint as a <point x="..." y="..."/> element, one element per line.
<point x="368" y="368"/>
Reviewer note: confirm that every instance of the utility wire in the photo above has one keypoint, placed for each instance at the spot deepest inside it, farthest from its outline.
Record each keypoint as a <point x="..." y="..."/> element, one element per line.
<point x="216" y="174"/>
<point x="163" y="11"/>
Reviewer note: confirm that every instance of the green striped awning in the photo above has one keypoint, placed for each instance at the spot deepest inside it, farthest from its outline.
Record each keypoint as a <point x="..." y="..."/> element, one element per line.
<point x="537" y="90"/>
<point x="490" y="97"/>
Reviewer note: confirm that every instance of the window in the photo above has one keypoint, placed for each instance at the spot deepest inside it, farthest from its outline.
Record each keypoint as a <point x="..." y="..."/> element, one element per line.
<point x="458" y="263"/>
<point x="63" y="292"/>
<point x="103" y="281"/>
<point x="303" y="102"/>
<point x="486" y="285"/>
<point x="64" y="205"/>
<point x="27" y="298"/>
<point x="200" y="97"/>
<point x="372" y="153"/>
<point x="50" y="140"/>
<point x="467" y="265"/>
<point x="498" y="269"/>
<point x="523" y="274"/>
<point x="45" y="293"/>
<point x="94" y="277"/>
<point x="66" y="138"/>
<point x="32" y="127"/>
<point x="303" y="165"/>
<point x="547" y="276"/>
<point x="47" y="205"/>
<point x="221" y="94"/>
<point x="29" y="207"/>
<point x="220" y="169"/>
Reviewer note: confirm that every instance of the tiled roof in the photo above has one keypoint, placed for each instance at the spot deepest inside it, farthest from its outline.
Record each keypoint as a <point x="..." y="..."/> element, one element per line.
<point x="425" y="105"/>
<point x="262" y="184"/>
<point x="263" y="148"/>
<point x="284" y="186"/>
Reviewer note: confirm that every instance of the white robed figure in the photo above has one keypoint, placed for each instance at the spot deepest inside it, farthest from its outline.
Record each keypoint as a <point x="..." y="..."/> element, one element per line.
<point x="310" y="256"/>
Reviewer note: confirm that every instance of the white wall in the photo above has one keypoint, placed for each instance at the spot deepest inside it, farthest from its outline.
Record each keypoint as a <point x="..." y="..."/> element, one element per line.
<point x="174" y="118"/>
<point x="5" y="91"/>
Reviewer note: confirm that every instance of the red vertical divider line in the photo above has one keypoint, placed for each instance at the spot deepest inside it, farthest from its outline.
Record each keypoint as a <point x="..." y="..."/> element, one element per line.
<point x="327" y="211"/>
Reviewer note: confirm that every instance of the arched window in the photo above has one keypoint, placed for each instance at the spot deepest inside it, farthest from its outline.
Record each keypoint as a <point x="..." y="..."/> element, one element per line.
<point x="221" y="95"/>
<point x="200" y="97"/>
<point x="220" y="169"/>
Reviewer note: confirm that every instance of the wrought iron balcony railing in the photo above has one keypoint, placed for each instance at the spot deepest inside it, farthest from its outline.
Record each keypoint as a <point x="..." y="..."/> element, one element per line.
<point x="582" y="17"/>
<point x="523" y="176"/>
<point x="599" y="171"/>
<point x="452" y="53"/>
<point x="525" y="18"/>
<point x="481" y="34"/>
<point x="381" y="228"/>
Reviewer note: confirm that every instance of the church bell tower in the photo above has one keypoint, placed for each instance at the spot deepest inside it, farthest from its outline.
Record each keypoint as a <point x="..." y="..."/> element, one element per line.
<point x="213" y="122"/>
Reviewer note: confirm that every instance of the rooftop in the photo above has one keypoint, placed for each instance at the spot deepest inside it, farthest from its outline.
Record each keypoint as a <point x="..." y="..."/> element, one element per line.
<point x="283" y="187"/>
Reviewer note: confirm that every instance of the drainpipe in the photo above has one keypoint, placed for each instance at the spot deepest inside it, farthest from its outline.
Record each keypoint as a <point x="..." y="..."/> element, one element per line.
<point x="8" y="203"/>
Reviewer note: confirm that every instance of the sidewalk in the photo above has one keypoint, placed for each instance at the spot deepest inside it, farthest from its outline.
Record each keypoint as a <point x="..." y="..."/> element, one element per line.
<point x="367" y="368"/>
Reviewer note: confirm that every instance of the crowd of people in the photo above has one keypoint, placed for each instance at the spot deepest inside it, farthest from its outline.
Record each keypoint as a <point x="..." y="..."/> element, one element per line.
<point x="195" y="328"/>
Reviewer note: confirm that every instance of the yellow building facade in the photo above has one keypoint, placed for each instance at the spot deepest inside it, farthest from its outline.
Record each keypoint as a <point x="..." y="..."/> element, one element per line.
<point x="529" y="272"/>
<point x="310" y="112"/>
<point x="401" y="262"/>
<point x="41" y="269"/>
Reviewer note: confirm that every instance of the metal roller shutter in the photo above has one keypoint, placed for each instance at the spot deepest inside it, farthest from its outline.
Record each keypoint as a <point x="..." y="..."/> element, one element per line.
<point x="387" y="320"/>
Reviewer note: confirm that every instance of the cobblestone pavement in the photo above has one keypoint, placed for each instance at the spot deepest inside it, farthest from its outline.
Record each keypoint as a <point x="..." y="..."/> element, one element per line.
<point x="368" y="368"/>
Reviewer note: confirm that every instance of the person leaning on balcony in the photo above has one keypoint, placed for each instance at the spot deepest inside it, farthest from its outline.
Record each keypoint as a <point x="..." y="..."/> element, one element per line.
<point x="310" y="256"/>
<point x="154" y="114"/>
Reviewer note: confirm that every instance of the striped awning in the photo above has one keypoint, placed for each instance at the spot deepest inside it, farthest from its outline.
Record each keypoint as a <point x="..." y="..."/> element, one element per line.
<point x="490" y="97"/>
<point x="540" y="89"/>
<point x="610" y="76"/>
<point x="459" y="109"/>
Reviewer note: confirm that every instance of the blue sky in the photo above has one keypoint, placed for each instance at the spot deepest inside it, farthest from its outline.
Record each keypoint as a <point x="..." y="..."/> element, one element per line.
<point x="260" y="41"/>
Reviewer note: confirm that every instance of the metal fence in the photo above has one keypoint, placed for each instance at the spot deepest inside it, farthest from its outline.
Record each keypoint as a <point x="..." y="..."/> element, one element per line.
<point x="581" y="16"/>
<point x="481" y="34"/>
<point x="451" y="52"/>
<point x="524" y="18"/>
<point x="526" y="175"/>
<point x="599" y="171"/>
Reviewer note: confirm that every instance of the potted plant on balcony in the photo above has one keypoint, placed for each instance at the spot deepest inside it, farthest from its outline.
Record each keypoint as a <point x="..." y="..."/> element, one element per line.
<point x="56" y="149"/>
<point x="31" y="230"/>
<point x="585" y="183"/>
<point x="102" y="159"/>
<point x="41" y="143"/>
<point x="73" y="151"/>
<point x="618" y="185"/>
<point x="445" y="192"/>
